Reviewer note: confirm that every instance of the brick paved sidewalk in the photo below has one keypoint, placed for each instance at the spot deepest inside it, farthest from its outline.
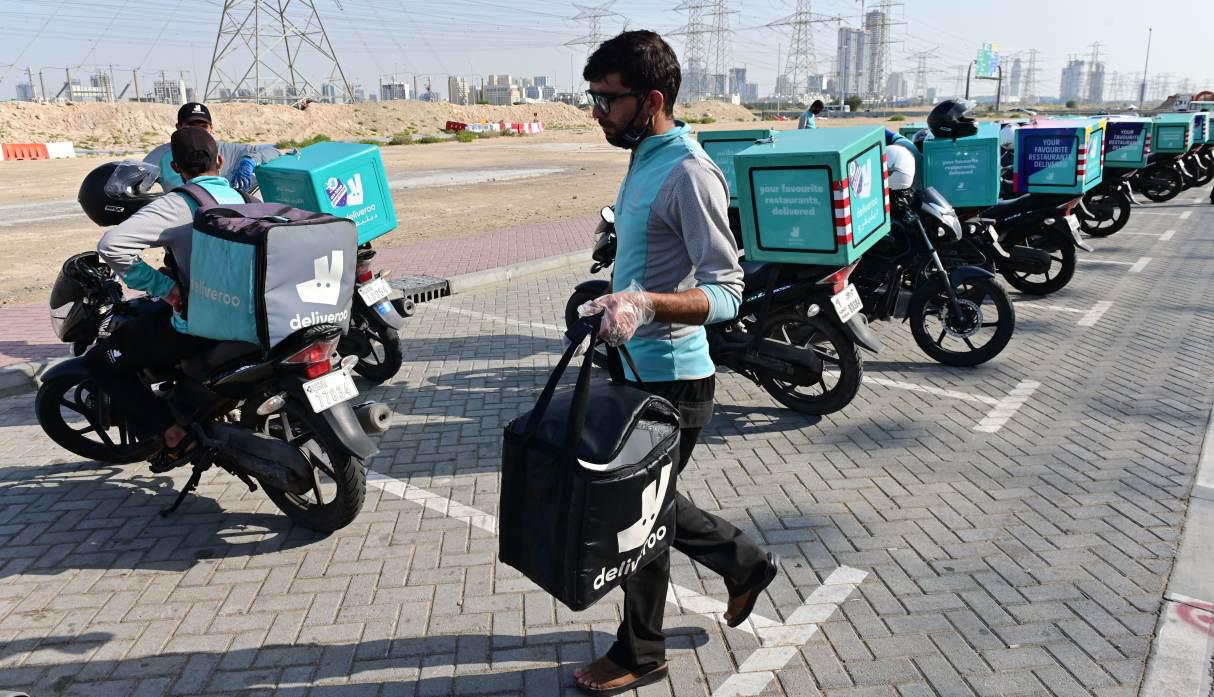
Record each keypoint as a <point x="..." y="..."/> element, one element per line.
<point x="27" y="334"/>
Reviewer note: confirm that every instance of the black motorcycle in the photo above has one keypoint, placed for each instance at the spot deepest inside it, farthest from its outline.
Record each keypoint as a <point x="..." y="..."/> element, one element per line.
<point x="282" y="420"/>
<point x="1197" y="169"/>
<point x="959" y="316"/>
<point x="1163" y="178"/>
<point x="1105" y="209"/>
<point x="798" y="332"/>
<point x="1044" y="222"/>
<point x="376" y="318"/>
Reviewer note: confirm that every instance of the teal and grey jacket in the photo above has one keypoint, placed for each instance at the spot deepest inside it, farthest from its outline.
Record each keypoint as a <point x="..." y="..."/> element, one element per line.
<point x="672" y="223"/>
<point x="167" y="222"/>
<point x="232" y="153"/>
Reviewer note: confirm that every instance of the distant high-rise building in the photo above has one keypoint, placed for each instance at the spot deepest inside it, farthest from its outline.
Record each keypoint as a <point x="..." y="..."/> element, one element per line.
<point x="502" y="95"/>
<point x="876" y="44"/>
<point x="1014" y="84"/>
<point x="389" y="91"/>
<point x="547" y="93"/>
<point x="328" y="93"/>
<point x="499" y="80"/>
<point x="931" y="95"/>
<point x="539" y="81"/>
<point x="1096" y="84"/>
<point x="25" y="92"/>
<point x="897" y="86"/>
<point x="1073" y="80"/>
<point x="737" y="80"/>
<point x="457" y="91"/>
<point x="850" y="64"/>
<point x="169" y="91"/>
<point x="750" y="92"/>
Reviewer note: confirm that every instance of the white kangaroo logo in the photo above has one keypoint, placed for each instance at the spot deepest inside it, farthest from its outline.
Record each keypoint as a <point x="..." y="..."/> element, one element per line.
<point x="355" y="187"/>
<point x="325" y="288"/>
<point x="635" y="535"/>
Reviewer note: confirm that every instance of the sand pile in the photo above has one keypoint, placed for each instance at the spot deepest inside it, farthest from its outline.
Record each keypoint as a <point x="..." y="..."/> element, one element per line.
<point x="135" y="125"/>
<point x="721" y="111"/>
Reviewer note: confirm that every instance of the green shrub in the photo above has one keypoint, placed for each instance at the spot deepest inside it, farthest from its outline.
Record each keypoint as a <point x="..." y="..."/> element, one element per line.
<point x="288" y="144"/>
<point x="402" y="138"/>
<point x="897" y="117"/>
<point x="429" y="139"/>
<point x="465" y="137"/>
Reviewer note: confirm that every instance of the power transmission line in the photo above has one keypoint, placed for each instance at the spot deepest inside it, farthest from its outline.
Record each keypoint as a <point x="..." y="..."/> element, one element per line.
<point x="802" y="61"/>
<point x="695" y="51"/>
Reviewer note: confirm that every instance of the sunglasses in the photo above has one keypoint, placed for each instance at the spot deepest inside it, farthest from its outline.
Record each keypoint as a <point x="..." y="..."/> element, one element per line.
<point x="602" y="101"/>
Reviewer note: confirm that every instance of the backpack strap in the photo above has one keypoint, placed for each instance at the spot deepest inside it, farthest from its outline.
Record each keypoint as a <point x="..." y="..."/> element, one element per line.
<point x="200" y="195"/>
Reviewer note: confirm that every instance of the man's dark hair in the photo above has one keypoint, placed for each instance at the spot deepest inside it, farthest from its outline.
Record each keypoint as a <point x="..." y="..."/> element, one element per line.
<point x="817" y="105"/>
<point x="644" y="61"/>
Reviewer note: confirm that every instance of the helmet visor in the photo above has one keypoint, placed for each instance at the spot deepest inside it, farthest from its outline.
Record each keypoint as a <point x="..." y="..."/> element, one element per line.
<point x="132" y="179"/>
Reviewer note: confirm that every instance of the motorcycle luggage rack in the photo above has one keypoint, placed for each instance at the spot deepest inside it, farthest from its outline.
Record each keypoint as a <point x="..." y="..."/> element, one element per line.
<point x="420" y="289"/>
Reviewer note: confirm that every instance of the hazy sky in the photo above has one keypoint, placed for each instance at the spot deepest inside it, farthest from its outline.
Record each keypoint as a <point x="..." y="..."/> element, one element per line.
<point x="527" y="37"/>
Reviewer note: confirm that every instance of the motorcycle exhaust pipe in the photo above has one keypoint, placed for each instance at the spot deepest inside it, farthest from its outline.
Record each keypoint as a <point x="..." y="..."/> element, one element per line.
<point x="373" y="417"/>
<point x="273" y="462"/>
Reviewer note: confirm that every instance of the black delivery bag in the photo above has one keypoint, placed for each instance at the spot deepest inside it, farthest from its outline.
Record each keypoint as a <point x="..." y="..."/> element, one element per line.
<point x="588" y="482"/>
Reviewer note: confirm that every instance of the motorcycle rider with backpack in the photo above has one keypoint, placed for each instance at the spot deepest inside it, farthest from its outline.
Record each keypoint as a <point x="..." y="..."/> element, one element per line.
<point x="121" y="194"/>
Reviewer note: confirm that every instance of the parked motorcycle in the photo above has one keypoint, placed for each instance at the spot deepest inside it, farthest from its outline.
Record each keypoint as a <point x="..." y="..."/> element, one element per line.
<point x="1106" y="209"/>
<point x="1163" y="178"/>
<point x="376" y="319"/>
<point x="903" y="276"/>
<point x="281" y="420"/>
<point x="798" y="332"/>
<point x="1197" y="167"/>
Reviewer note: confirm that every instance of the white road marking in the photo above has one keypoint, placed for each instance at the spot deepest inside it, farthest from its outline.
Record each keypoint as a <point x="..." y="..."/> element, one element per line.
<point x="1140" y="265"/>
<point x="14" y="223"/>
<point x="780" y="642"/>
<point x="1167" y="235"/>
<point x="939" y="392"/>
<point x="1092" y="316"/>
<point x="1090" y="260"/>
<point x="1007" y="407"/>
<point x="1186" y="215"/>
<point x="495" y="318"/>
<point x="1055" y="308"/>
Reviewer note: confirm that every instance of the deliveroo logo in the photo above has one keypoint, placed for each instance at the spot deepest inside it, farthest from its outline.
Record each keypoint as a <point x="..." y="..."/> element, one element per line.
<point x="860" y="178"/>
<point x="325" y="288"/>
<point x="636" y="534"/>
<point x="347" y="193"/>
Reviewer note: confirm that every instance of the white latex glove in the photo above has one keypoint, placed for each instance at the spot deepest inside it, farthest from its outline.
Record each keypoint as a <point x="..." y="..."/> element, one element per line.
<point x="623" y="313"/>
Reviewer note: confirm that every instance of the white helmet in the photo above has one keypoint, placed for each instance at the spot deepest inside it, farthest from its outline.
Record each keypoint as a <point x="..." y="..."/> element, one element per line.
<point x="900" y="163"/>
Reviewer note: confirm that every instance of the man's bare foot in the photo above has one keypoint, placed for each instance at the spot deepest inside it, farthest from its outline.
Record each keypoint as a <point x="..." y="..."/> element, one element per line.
<point x="605" y="677"/>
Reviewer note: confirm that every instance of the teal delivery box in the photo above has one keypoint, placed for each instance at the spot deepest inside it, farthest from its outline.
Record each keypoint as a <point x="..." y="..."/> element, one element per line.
<point x="909" y="130"/>
<point x="965" y="170"/>
<point x="813" y="196"/>
<point x="721" y="146"/>
<point x="343" y="179"/>
<point x="1127" y="142"/>
<point x="1060" y="157"/>
<point x="1173" y="133"/>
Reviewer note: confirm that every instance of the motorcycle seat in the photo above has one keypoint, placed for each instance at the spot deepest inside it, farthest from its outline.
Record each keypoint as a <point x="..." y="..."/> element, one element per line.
<point x="1007" y="208"/>
<point x="218" y="355"/>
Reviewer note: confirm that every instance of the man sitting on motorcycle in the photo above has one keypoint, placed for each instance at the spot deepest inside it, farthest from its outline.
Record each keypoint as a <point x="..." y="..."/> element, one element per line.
<point x="157" y="339"/>
<point x="239" y="159"/>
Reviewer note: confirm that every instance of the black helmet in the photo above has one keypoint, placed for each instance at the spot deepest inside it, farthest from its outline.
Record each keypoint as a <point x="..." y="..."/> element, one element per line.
<point x="114" y="191"/>
<point x="953" y="118"/>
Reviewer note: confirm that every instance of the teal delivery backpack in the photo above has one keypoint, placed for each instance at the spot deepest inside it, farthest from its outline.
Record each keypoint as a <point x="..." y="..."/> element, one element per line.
<point x="262" y="271"/>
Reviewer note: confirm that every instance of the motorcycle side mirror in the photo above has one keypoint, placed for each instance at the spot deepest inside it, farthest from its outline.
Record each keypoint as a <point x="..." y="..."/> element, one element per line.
<point x="608" y="214"/>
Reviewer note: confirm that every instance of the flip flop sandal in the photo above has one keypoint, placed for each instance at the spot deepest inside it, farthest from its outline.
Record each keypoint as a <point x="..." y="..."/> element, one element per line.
<point x="769" y="575"/>
<point x="650" y="677"/>
<point x="169" y="458"/>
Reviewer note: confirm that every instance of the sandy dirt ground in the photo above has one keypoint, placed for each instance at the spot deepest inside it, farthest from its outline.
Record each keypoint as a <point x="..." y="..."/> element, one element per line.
<point x="441" y="190"/>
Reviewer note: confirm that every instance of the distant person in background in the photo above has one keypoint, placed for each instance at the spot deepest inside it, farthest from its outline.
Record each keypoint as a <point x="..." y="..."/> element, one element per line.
<point x="809" y="116"/>
<point x="239" y="160"/>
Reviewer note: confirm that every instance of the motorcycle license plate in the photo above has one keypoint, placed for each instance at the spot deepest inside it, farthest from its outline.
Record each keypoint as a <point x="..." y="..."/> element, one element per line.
<point x="1073" y="223"/>
<point x="329" y="390"/>
<point x="847" y="303"/>
<point x="374" y="291"/>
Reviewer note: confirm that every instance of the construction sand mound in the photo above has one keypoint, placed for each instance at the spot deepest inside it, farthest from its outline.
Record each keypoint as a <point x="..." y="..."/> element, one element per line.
<point x="719" y="111"/>
<point x="136" y="125"/>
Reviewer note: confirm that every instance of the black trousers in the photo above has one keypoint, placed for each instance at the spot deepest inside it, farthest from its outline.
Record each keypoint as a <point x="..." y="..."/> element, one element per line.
<point x="147" y="341"/>
<point x="640" y="644"/>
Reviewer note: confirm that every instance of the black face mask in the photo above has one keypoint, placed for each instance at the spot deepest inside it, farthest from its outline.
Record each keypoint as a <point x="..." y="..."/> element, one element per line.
<point x="634" y="134"/>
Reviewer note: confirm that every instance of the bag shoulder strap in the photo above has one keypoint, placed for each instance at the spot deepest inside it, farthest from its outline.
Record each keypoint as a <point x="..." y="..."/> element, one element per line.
<point x="199" y="194"/>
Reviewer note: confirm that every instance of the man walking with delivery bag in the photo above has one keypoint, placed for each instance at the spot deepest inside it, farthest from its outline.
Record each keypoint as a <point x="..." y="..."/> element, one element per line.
<point x="676" y="270"/>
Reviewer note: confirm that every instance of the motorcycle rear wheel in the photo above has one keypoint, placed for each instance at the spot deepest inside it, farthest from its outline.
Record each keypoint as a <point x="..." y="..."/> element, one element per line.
<point x="1110" y="213"/>
<point x="385" y="357"/>
<point x="339" y="480"/>
<point x="1062" y="262"/>
<point x="1160" y="184"/>
<point x="66" y="399"/>
<point x="843" y="367"/>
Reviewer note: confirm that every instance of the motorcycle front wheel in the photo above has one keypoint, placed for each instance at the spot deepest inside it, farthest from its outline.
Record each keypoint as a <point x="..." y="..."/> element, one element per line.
<point x="79" y="418"/>
<point x="339" y="481"/>
<point x="976" y="334"/>
<point x="384" y="358"/>
<point x="842" y="365"/>
<point x="1160" y="184"/>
